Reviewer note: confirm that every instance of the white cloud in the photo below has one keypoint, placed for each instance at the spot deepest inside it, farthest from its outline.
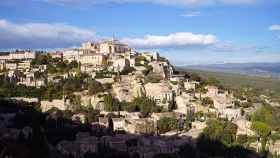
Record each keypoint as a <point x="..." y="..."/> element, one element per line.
<point x="57" y="35"/>
<point x="36" y="35"/>
<point x="191" y="14"/>
<point x="274" y="28"/>
<point x="180" y="39"/>
<point x="163" y="2"/>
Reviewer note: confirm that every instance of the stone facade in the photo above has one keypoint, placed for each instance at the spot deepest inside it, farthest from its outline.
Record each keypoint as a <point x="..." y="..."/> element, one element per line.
<point x="47" y="105"/>
<point x="161" y="93"/>
<point x="112" y="46"/>
<point x="93" y="59"/>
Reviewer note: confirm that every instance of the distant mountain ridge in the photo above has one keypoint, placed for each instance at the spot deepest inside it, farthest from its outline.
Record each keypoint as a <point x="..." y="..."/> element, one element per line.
<point x="254" y="69"/>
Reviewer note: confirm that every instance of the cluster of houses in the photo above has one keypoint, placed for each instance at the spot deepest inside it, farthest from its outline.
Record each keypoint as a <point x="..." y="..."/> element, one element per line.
<point x="113" y="56"/>
<point x="142" y="146"/>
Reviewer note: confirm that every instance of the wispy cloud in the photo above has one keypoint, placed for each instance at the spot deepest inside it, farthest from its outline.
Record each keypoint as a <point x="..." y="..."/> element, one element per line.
<point x="180" y="39"/>
<point x="274" y="28"/>
<point x="162" y="2"/>
<point x="38" y="35"/>
<point x="192" y="14"/>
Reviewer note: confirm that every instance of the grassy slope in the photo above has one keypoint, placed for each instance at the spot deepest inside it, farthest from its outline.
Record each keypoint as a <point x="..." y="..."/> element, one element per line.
<point x="237" y="80"/>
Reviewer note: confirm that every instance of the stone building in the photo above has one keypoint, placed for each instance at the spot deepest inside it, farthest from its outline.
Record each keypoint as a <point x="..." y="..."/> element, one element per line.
<point x="23" y="55"/>
<point x="91" y="46"/>
<point x="93" y="59"/>
<point x="60" y="104"/>
<point x="161" y="93"/>
<point x="120" y="64"/>
<point x="113" y="46"/>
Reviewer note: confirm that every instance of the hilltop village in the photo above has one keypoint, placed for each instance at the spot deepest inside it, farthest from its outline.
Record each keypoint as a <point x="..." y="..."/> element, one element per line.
<point x="108" y="95"/>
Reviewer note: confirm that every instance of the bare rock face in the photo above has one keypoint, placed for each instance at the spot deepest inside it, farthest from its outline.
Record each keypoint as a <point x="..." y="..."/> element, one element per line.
<point x="162" y="68"/>
<point x="128" y="88"/>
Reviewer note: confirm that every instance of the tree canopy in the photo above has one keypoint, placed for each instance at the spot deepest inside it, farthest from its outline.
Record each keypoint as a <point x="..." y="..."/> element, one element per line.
<point x="220" y="130"/>
<point x="94" y="87"/>
<point x="167" y="124"/>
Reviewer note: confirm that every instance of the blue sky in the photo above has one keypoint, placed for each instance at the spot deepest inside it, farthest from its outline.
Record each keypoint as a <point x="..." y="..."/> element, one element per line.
<point x="185" y="31"/>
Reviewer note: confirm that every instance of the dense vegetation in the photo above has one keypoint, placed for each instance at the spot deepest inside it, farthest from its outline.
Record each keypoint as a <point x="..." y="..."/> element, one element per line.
<point x="54" y="65"/>
<point x="167" y="124"/>
<point x="141" y="104"/>
<point x="52" y="90"/>
<point x="221" y="130"/>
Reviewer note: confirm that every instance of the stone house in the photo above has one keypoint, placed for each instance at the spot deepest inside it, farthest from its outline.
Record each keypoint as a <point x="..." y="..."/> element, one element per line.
<point x="274" y="148"/>
<point x="103" y="121"/>
<point x="79" y="117"/>
<point x="11" y="66"/>
<point x="177" y="78"/>
<point x="118" y="124"/>
<point x="24" y="65"/>
<point x="139" y="126"/>
<point x="23" y="55"/>
<point x="229" y="113"/>
<point x="120" y="64"/>
<point x="93" y="59"/>
<point x="157" y="116"/>
<point x="4" y="56"/>
<point x="91" y="46"/>
<point x="161" y="93"/>
<point x="183" y="101"/>
<point x="130" y="115"/>
<point x="222" y="102"/>
<point x="28" y="100"/>
<point x="244" y="127"/>
<point x="113" y="46"/>
<point x="188" y="85"/>
<point x="212" y="91"/>
<point x="60" y="104"/>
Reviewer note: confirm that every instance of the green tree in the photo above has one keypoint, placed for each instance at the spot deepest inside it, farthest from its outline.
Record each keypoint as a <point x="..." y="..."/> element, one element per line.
<point x="50" y="91"/>
<point x="220" y="130"/>
<point x="166" y="124"/>
<point x="109" y="102"/>
<point x="171" y="106"/>
<point x="207" y="101"/>
<point x="94" y="87"/>
<point x="213" y="81"/>
<point x="268" y="115"/>
<point x="262" y="129"/>
<point x="75" y="102"/>
<point x="41" y="59"/>
<point x="242" y="139"/>
<point x="195" y="77"/>
<point x="127" y="70"/>
<point x="73" y="64"/>
<point x="145" y="105"/>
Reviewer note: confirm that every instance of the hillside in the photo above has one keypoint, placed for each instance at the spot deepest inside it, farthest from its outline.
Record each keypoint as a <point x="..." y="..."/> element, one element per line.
<point x="253" y="69"/>
<point x="233" y="80"/>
